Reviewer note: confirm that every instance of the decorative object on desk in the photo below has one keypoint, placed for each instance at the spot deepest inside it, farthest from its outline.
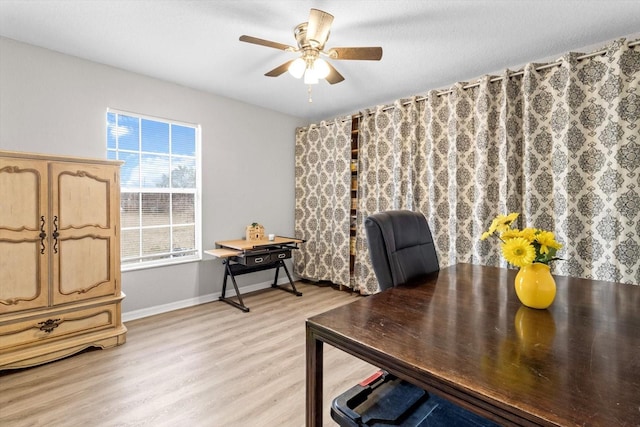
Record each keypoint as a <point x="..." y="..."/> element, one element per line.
<point x="255" y="232"/>
<point x="272" y="237"/>
<point x="535" y="286"/>
<point x="532" y="250"/>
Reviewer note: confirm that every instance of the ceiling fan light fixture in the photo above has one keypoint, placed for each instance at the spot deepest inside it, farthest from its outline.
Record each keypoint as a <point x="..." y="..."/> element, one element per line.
<point x="321" y="68"/>
<point x="297" y="68"/>
<point x="311" y="38"/>
<point x="310" y="77"/>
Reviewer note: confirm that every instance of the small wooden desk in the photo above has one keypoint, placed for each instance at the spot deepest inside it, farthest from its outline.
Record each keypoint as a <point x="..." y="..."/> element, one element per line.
<point x="249" y="256"/>
<point x="464" y="335"/>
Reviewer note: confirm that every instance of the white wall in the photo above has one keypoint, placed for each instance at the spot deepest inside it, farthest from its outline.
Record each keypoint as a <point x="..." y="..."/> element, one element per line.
<point x="56" y="104"/>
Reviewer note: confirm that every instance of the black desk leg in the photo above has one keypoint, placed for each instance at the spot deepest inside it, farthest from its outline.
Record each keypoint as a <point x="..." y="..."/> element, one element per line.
<point x="293" y="289"/>
<point x="227" y="272"/>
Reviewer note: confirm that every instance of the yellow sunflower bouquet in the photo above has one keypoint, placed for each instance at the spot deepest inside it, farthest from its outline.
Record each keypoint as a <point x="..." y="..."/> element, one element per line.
<point x="522" y="247"/>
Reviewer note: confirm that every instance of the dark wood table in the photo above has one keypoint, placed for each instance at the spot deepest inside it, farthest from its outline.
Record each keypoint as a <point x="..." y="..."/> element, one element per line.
<point x="463" y="334"/>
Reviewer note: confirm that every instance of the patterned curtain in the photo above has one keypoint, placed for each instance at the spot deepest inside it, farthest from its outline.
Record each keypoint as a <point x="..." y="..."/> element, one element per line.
<point x="559" y="143"/>
<point x="323" y="201"/>
<point x="582" y="161"/>
<point x="474" y="150"/>
<point x="389" y="164"/>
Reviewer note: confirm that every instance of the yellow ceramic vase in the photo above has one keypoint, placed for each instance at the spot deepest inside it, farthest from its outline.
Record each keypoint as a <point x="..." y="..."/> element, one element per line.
<point x="535" y="286"/>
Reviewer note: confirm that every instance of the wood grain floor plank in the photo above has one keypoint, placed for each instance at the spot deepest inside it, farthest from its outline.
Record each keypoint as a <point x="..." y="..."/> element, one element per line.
<point x="208" y="365"/>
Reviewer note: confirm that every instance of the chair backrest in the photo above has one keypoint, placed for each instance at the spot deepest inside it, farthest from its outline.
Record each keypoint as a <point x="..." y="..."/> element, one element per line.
<point x="400" y="246"/>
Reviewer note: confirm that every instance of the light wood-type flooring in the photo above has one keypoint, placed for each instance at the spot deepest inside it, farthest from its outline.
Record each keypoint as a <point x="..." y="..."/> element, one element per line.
<point x="208" y="365"/>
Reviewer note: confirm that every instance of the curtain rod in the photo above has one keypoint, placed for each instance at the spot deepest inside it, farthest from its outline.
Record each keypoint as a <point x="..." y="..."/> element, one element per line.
<point x="499" y="78"/>
<point x="521" y="72"/>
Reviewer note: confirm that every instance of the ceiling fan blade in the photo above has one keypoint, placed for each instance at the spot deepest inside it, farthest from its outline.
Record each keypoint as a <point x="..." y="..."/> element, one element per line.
<point x="279" y="69"/>
<point x="363" y="53"/>
<point x="334" y="76"/>
<point x="268" y="43"/>
<point x="318" y="28"/>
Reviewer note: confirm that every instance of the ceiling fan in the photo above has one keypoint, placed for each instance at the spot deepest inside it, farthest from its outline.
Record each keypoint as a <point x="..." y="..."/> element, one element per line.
<point x="311" y="38"/>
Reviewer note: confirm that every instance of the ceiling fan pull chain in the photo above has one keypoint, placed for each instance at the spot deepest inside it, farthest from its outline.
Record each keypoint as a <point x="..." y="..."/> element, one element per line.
<point x="309" y="90"/>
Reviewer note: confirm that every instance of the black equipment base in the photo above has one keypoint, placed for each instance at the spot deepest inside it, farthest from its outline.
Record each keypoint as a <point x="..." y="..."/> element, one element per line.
<point x="233" y="268"/>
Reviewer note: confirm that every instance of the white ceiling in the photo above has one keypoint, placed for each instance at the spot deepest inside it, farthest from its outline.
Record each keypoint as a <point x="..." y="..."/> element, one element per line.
<point x="427" y="44"/>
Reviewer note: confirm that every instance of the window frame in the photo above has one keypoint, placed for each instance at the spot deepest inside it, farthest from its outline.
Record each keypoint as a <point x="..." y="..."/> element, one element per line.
<point x="169" y="260"/>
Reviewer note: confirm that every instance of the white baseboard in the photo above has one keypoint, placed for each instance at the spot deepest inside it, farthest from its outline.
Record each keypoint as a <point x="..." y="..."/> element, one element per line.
<point x="164" y="308"/>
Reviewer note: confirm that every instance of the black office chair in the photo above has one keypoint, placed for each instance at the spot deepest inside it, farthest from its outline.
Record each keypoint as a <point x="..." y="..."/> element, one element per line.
<point x="402" y="250"/>
<point x="400" y="246"/>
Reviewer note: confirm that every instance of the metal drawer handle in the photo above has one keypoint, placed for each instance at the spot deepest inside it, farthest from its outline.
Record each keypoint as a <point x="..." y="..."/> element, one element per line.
<point x="257" y="260"/>
<point x="49" y="325"/>
<point x="282" y="255"/>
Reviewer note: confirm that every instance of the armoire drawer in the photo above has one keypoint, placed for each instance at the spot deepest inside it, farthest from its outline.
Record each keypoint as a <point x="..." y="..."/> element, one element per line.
<point x="55" y="326"/>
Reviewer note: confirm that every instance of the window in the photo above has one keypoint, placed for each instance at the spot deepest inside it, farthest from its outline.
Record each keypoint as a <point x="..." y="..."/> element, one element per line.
<point x="159" y="188"/>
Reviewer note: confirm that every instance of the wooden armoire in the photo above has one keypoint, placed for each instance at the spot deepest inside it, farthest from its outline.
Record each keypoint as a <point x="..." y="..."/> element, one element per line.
<point x="60" y="288"/>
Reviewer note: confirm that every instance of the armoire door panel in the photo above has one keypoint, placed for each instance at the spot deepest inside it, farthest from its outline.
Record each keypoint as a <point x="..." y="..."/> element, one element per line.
<point x="24" y="235"/>
<point x="81" y="196"/>
<point x="82" y="269"/>
<point x="85" y="239"/>
<point x="20" y="188"/>
<point x="21" y="286"/>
